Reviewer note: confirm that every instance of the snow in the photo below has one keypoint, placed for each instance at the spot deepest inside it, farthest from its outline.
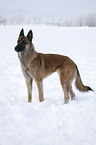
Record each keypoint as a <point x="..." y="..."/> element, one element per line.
<point x="23" y="17"/>
<point x="49" y="122"/>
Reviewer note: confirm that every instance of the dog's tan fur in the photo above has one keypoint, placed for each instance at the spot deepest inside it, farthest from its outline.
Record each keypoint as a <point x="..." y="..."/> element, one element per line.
<point x="38" y="66"/>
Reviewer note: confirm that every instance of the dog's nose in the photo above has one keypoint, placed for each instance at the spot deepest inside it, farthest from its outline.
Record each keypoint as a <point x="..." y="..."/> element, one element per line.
<point x="19" y="48"/>
<point x="16" y="49"/>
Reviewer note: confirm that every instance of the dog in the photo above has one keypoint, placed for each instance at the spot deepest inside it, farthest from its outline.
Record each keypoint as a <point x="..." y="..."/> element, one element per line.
<point x="38" y="66"/>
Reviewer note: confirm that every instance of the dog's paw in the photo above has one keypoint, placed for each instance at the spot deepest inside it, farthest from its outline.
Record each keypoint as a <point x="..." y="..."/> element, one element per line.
<point x="41" y="99"/>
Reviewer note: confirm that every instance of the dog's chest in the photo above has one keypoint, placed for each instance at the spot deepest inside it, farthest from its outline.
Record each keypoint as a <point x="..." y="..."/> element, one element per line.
<point x="23" y="59"/>
<point x="19" y="55"/>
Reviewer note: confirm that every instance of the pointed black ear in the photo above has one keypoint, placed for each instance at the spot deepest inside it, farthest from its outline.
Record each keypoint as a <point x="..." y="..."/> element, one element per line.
<point x="21" y="33"/>
<point x="30" y="36"/>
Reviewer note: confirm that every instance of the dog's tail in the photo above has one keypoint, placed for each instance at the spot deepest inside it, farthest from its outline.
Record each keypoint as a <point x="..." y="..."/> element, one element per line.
<point x="79" y="85"/>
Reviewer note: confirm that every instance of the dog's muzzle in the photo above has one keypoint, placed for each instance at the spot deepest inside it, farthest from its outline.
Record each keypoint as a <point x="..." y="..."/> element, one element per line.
<point x="19" y="48"/>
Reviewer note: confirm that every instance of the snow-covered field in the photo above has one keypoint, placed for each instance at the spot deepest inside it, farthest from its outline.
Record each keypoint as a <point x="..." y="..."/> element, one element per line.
<point x="49" y="122"/>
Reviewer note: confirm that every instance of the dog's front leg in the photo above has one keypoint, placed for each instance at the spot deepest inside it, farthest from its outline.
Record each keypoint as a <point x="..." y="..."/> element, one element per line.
<point x="40" y="90"/>
<point x="29" y="81"/>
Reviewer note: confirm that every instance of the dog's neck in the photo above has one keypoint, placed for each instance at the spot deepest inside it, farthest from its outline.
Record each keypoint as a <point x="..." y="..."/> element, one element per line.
<point x="33" y="53"/>
<point x="26" y="55"/>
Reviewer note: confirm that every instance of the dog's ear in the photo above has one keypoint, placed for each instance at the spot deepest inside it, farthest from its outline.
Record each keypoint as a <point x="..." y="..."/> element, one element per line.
<point x="21" y="33"/>
<point x="30" y="36"/>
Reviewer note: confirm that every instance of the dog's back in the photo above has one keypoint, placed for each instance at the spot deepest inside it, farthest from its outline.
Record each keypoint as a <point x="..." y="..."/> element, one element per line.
<point x="51" y="62"/>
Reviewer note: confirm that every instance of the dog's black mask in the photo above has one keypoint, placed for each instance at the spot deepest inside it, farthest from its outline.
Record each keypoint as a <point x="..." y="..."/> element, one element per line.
<point x="20" y="47"/>
<point x="22" y="41"/>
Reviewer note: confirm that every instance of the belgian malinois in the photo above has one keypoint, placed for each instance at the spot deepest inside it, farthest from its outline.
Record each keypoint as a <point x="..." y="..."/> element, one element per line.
<point x="38" y="66"/>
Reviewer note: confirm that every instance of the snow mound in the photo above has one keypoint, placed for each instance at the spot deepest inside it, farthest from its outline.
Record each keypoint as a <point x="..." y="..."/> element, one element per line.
<point x="49" y="122"/>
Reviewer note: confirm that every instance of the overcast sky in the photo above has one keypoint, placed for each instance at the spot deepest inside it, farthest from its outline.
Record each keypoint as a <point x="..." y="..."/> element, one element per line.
<point x="50" y="7"/>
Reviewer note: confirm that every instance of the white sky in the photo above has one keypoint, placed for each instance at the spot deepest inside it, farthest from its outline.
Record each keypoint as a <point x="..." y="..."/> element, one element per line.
<point x="50" y="7"/>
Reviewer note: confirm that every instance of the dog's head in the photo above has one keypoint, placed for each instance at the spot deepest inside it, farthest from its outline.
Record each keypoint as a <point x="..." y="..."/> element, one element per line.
<point x="23" y="42"/>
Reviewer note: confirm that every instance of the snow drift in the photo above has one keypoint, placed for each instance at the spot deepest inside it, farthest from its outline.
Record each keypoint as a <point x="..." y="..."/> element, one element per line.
<point x="49" y="122"/>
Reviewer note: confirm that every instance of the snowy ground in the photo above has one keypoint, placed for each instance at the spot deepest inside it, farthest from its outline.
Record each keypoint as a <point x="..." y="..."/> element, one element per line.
<point x="50" y="122"/>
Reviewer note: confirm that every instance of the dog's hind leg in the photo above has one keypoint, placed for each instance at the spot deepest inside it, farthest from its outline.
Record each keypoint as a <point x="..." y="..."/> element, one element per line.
<point x="29" y="81"/>
<point x="66" y="78"/>
<point x="72" y="94"/>
<point x="65" y="90"/>
<point x="66" y="94"/>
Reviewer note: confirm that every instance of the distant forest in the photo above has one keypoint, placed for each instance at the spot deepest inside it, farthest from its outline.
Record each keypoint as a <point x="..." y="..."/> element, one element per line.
<point x="79" y="20"/>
